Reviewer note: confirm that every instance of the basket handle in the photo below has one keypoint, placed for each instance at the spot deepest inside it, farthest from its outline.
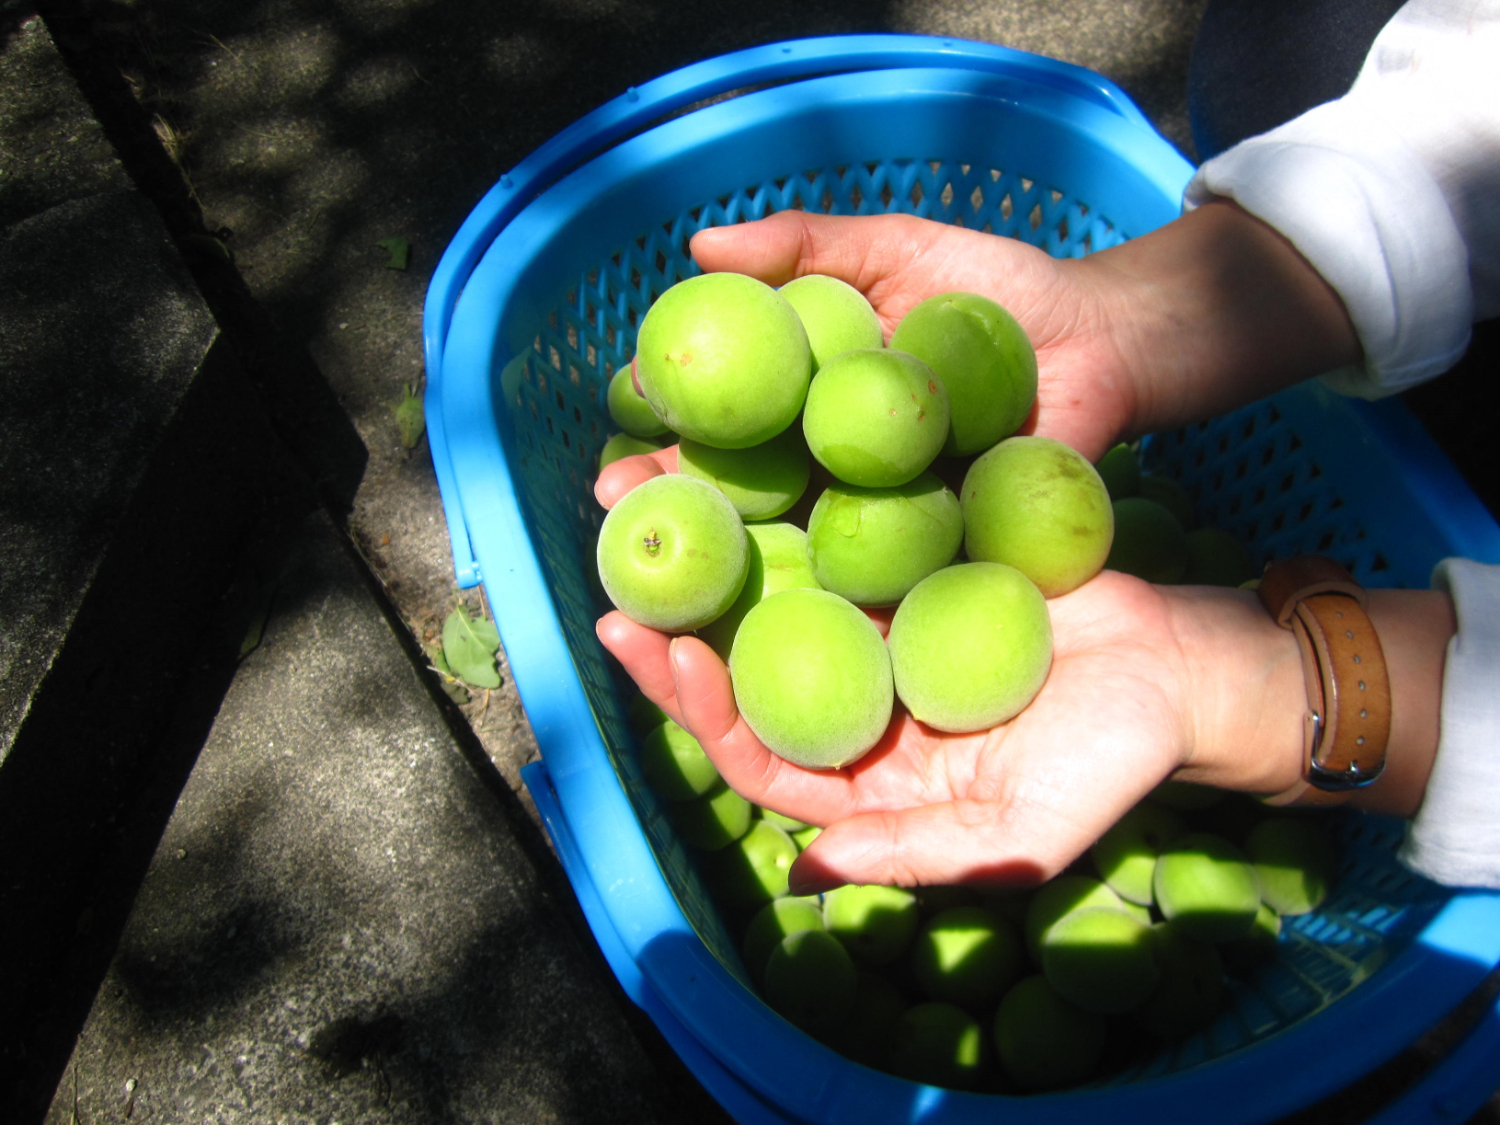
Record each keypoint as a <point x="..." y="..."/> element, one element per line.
<point x="640" y="107"/>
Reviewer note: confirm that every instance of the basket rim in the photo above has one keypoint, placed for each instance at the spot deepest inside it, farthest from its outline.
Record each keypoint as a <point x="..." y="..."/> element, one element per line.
<point x="563" y="716"/>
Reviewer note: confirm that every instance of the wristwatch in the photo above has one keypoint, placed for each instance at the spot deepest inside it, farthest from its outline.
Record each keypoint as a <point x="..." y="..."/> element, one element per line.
<point x="1348" y="720"/>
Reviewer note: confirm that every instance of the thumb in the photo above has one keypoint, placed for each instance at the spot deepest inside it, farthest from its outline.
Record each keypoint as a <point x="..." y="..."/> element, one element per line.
<point x="790" y="244"/>
<point x="769" y="249"/>
<point x="621" y="476"/>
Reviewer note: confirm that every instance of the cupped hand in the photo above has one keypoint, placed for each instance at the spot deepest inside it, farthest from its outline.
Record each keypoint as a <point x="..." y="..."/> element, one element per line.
<point x="1086" y="395"/>
<point x="1009" y="806"/>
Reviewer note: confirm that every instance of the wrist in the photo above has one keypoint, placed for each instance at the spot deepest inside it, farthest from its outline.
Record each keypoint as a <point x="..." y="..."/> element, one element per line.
<point x="1243" y="691"/>
<point x="1216" y="309"/>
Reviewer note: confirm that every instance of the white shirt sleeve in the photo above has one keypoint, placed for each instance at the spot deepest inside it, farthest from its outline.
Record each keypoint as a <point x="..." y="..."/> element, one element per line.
<point x="1392" y="192"/>
<point x="1455" y="837"/>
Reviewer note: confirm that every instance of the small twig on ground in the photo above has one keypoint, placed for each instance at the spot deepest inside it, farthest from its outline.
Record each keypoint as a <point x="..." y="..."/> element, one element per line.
<point x="219" y="43"/>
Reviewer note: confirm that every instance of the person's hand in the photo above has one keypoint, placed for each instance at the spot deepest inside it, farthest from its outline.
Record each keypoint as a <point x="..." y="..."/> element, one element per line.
<point x="1084" y="397"/>
<point x="1134" y="695"/>
<point x="1200" y="316"/>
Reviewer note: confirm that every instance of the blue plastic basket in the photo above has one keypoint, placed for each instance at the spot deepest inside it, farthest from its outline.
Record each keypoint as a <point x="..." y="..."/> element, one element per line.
<point x="534" y="307"/>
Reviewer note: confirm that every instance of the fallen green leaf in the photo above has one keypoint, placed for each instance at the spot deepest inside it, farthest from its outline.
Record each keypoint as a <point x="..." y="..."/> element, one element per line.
<point x="410" y="419"/>
<point x="469" y="645"/>
<point x="451" y="687"/>
<point x="399" y="251"/>
<point x="439" y="661"/>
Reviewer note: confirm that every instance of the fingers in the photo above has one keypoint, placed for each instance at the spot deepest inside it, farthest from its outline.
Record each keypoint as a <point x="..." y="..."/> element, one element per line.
<point x="644" y="654"/>
<point x="769" y="249"/>
<point x="621" y="476"/>
<point x="945" y="844"/>
<point x="705" y="697"/>
<point x="704" y="691"/>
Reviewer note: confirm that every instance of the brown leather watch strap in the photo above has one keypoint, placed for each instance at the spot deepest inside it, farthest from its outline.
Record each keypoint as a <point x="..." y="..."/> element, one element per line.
<point x="1348" y="721"/>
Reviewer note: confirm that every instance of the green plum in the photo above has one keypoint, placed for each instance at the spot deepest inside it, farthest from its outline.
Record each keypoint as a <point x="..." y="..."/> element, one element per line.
<point x="1059" y="896"/>
<point x="1206" y="887"/>
<point x="1009" y="902"/>
<point x="778" y="561"/>
<point x="642" y="715"/>
<point x="1101" y="959"/>
<point x="1294" y="861"/>
<point x="984" y="360"/>
<point x="970" y="646"/>
<point x="761" y="481"/>
<point x="673" y="553"/>
<point x="1192" y="988"/>
<point x="1044" y="1041"/>
<point x="723" y="359"/>
<point x="752" y="871"/>
<point x="712" y="821"/>
<point x="1126" y="855"/>
<point x="785" y="823"/>
<point x="1149" y="542"/>
<point x="876" y="924"/>
<point x="810" y="979"/>
<point x="1232" y="817"/>
<point x="772" y="922"/>
<point x="675" y="765"/>
<point x="629" y="408"/>
<point x="939" y="1044"/>
<point x="624" y="445"/>
<point x="866" y="1034"/>
<point x="875" y="418"/>
<point x="812" y="678"/>
<point x="1244" y="955"/>
<point x="967" y="955"/>
<point x="1171" y="496"/>
<point x="1185" y="796"/>
<point x="1120" y="470"/>
<point x="835" y="315"/>
<point x="805" y="836"/>
<point x="872" y="545"/>
<point x="1216" y="558"/>
<point x="934" y="900"/>
<point x="1035" y="504"/>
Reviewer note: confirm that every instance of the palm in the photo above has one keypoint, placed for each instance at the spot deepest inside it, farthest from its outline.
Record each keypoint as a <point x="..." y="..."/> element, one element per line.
<point x="1014" y="804"/>
<point x="1085" y="397"/>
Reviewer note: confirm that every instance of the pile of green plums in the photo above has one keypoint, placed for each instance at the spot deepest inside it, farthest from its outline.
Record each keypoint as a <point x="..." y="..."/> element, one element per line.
<point x="1005" y="990"/>
<point x="767" y="390"/>
<point x="815" y="480"/>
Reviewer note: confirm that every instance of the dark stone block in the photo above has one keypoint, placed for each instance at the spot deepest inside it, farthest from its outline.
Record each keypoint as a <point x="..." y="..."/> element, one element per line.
<point x="340" y="921"/>
<point x="51" y="148"/>
<point x="134" y="460"/>
<point x="104" y="333"/>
